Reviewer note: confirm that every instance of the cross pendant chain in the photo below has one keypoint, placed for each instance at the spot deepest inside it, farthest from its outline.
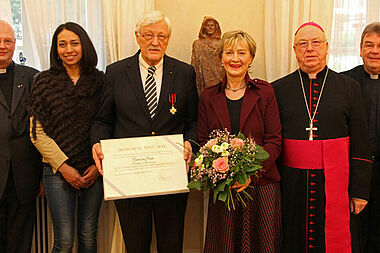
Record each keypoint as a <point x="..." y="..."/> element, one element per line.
<point x="311" y="118"/>
<point x="311" y="129"/>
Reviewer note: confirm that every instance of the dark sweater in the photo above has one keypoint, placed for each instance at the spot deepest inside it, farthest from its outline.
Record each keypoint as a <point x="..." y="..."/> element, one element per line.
<point x="66" y="111"/>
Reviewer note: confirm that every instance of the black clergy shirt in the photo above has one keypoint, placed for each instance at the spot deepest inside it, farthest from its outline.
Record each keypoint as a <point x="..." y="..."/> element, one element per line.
<point x="371" y="92"/>
<point x="6" y="84"/>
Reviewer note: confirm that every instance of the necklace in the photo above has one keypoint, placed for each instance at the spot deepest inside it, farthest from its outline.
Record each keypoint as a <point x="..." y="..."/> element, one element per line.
<point x="235" y="90"/>
<point x="311" y="128"/>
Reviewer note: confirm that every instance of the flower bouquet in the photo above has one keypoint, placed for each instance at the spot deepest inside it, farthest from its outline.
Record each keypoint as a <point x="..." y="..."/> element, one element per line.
<point x="224" y="160"/>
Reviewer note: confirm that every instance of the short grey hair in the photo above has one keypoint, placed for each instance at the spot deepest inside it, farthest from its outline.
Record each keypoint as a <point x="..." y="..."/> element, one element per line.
<point x="152" y="17"/>
<point x="371" y="28"/>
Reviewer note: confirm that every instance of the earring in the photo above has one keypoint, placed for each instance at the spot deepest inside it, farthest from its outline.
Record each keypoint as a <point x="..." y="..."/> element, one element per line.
<point x="222" y="65"/>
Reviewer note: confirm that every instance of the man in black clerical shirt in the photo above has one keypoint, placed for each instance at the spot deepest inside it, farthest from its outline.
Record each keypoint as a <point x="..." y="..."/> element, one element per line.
<point x="366" y="226"/>
<point x="20" y="162"/>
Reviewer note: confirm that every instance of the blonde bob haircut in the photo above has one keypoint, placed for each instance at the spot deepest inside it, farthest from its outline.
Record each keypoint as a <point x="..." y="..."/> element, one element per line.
<point x="152" y="17"/>
<point x="231" y="39"/>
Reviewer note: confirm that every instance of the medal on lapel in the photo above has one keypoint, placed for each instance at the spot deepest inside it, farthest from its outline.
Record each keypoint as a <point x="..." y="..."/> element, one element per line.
<point x="172" y="100"/>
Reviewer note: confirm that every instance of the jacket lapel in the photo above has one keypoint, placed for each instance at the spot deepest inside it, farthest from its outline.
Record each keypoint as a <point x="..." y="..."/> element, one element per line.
<point x="19" y="81"/>
<point x="249" y="102"/>
<point x="133" y="73"/>
<point x="219" y="105"/>
<point x="167" y="85"/>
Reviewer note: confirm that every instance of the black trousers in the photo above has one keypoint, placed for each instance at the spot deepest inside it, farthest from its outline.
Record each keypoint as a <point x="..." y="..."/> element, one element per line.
<point x="365" y="227"/>
<point x="374" y="210"/>
<point x="16" y="221"/>
<point x="359" y="224"/>
<point x="136" y="222"/>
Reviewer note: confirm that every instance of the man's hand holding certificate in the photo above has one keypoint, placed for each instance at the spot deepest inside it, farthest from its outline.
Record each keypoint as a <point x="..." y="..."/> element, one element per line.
<point x="143" y="166"/>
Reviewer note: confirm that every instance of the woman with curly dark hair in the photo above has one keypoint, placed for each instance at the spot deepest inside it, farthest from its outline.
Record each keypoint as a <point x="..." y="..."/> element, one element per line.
<point x="62" y="106"/>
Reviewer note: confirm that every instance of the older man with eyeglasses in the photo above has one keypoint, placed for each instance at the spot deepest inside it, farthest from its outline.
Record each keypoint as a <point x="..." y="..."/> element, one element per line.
<point x="366" y="226"/>
<point x="20" y="162"/>
<point x="326" y="161"/>
<point x="149" y="93"/>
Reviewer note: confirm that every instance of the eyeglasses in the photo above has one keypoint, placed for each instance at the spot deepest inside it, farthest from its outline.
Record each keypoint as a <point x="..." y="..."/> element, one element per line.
<point x="305" y="44"/>
<point x="370" y="46"/>
<point x="150" y="36"/>
<point x="7" y="42"/>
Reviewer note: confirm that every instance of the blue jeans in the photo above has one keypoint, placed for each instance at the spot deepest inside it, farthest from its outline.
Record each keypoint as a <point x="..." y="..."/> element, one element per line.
<point x="62" y="198"/>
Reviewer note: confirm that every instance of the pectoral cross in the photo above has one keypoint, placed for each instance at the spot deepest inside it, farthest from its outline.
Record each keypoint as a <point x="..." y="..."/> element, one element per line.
<point x="311" y="129"/>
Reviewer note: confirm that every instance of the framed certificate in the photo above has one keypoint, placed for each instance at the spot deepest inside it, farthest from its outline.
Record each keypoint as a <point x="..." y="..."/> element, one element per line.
<point x="143" y="166"/>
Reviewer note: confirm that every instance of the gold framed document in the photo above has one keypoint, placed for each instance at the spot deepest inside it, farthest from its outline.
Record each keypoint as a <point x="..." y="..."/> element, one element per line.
<point x="143" y="166"/>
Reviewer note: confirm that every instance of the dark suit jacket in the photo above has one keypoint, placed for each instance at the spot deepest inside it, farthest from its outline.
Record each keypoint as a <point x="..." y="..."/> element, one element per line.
<point x="356" y="73"/>
<point x="259" y="119"/>
<point x="15" y="143"/>
<point x="123" y="111"/>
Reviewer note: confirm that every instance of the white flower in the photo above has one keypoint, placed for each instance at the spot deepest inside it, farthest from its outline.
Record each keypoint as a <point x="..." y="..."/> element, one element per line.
<point x="199" y="161"/>
<point x="224" y="146"/>
<point x="216" y="149"/>
<point x="225" y="153"/>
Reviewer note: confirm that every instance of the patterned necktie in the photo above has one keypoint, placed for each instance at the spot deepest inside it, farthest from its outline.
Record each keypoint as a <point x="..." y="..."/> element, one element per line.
<point x="151" y="91"/>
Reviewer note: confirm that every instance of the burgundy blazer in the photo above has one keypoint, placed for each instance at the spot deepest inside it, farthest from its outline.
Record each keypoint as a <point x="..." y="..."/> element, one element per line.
<point x="259" y="119"/>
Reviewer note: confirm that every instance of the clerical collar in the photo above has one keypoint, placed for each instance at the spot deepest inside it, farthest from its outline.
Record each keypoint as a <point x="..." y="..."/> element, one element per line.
<point x="371" y="76"/>
<point x="320" y="74"/>
<point x="312" y="76"/>
<point x="4" y="71"/>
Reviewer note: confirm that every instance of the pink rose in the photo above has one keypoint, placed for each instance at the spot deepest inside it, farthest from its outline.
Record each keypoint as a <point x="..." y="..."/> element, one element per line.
<point x="237" y="143"/>
<point x="221" y="164"/>
<point x="211" y="143"/>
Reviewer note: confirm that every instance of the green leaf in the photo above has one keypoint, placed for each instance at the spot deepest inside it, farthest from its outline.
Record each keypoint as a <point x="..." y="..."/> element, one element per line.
<point x="215" y="196"/>
<point x="240" y="135"/>
<point x="195" y="185"/>
<point x="261" y="153"/>
<point x="223" y="196"/>
<point x="242" y="178"/>
<point x="253" y="168"/>
<point x="229" y="181"/>
<point x="262" y="156"/>
<point x="221" y="186"/>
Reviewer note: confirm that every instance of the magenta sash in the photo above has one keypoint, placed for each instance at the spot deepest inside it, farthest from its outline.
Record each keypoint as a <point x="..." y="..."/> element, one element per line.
<point x="332" y="156"/>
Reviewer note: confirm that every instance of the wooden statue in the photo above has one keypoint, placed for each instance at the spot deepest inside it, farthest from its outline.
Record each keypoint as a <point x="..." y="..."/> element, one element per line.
<point x="205" y="56"/>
